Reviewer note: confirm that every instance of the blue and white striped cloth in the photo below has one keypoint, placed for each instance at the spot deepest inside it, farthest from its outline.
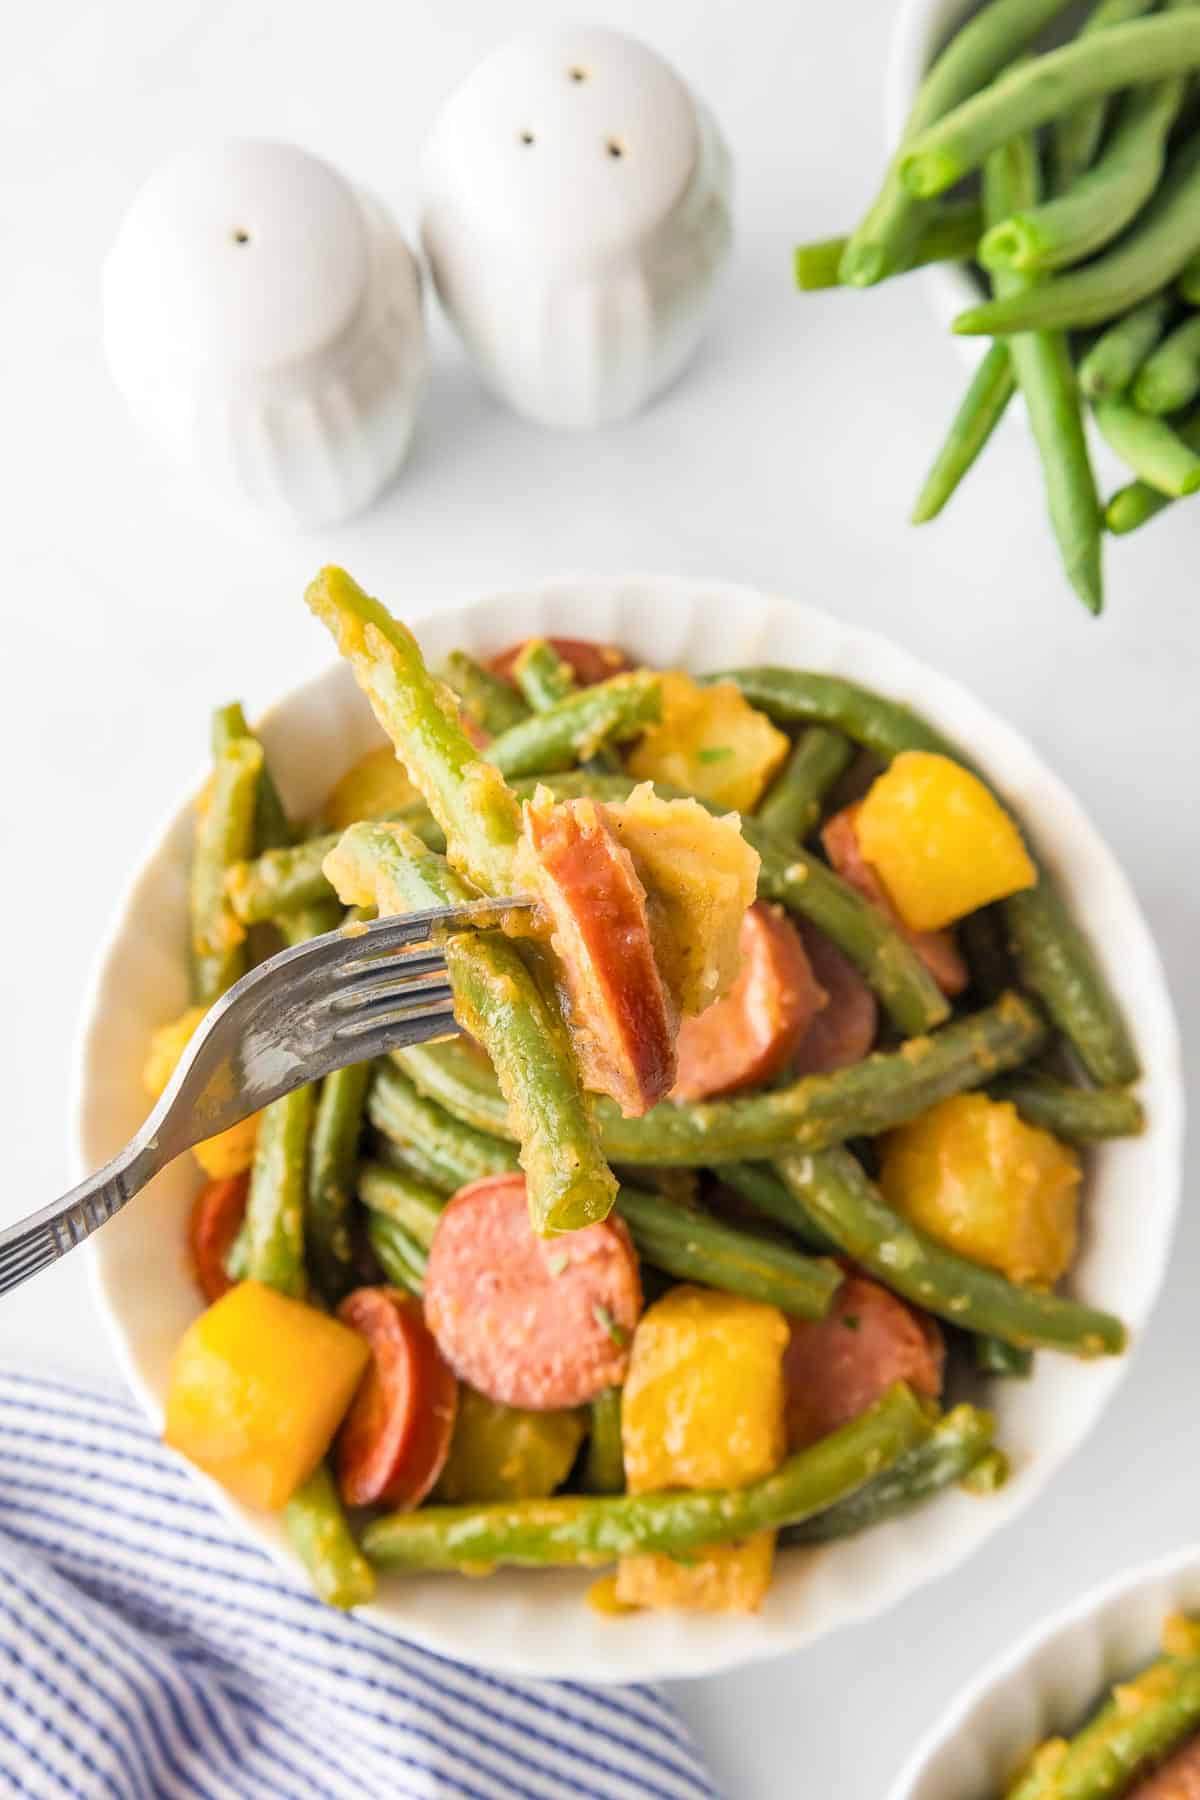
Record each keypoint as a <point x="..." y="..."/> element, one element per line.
<point x="146" y="1653"/>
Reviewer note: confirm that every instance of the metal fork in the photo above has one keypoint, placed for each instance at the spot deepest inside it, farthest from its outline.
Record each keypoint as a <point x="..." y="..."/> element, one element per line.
<point x="342" y="998"/>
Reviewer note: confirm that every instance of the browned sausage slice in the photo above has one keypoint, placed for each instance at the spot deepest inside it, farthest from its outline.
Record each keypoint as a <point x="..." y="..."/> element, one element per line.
<point x="396" y="1436"/>
<point x="542" y="1323"/>
<point x="622" y="1020"/>
<point x="936" y="949"/>
<point x="589" y="662"/>
<point x="215" y="1221"/>
<point x="843" y="1031"/>
<point x="752" y="1033"/>
<point x="836" y="1367"/>
<point x="1177" y="1779"/>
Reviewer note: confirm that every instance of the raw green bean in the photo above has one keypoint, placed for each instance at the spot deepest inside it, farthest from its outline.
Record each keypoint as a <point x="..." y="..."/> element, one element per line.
<point x="1045" y="374"/>
<point x="274" y="1227"/>
<point x="1189" y="282"/>
<point x="1147" y="258"/>
<point x="329" y="1193"/>
<point x="950" y="234"/>
<point x="542" y="676"/>
<point x="883" y="242"/>
<point x="1075" y="137"/>
<point x="268" y="887"/>
<point x="500" y="1002"/>
<point x="468" y="799"/>
<point x="792" y="807"/>
<point x="951" y="1450"/>
<point x="761" y="1188"/>
<point x="1044" y="89"/>
<point x="1057" y="963"/>
<point x="1155" y="453"/>
<point x="991" y="388"/>
<point x="318" y="1533"/>
<point x="692" y="1246"/>
<point x="577" y="726"/>
<point x="1149" y="1717"/>
<point x="1118" y="353"/>
<point x="1036" y="238"/>
<point x="604" y="1458"/>
<point x="994" y="1357"/>
<point x="1169" y="379"/>
<point x="832" y="1189"/>
<point x="869" y="1097"/>
<point x="589" y="1530"/>
<point x="271" y="825"/>
<point x="1081" y="1115"/>
<point x="439" y="1150"/>
<point x="492" y="702"/>
<point x="408" y="1203"/>
<point x="224" y="836"/>
<point x="1134" y="505"/>
<point x="398" y="1253"/>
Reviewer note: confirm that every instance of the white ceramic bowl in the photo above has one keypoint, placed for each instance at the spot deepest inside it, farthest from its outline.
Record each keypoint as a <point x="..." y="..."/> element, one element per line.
<point x="539" y="1623"/>
<point x="1050" y="1680"/>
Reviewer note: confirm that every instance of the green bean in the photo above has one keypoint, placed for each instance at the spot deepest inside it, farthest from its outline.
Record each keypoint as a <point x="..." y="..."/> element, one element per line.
<point x="274" y="1226"/>
<point x="1036" y="238"/>
<point x="329" y="1191"/>
<point x="1147" y="258"/>
<point x="1075" y="137"/>
<point x="588" y="1530"/>
<point x="313" y="921"/>
<point x="398" y="1253"/>
<point x="269" y="887"/>
<point x="468" y="799"/>
<point x="1057" y="963"/>
<point x="1044" y="89"/>
<point x="1044" y="373"/>
<point x="1081" y="1115"/>
<point x="1189" y="282"/>
<point x="1156" y="453"/>
<point x="407" y="1202"/>
<point x="869" y="1097"/>
<point x="1169" y="379"/>
<point x="577" y="726"/>
<point x="604" y="1459"/>
<point x="792" y="807"/>
<point x="992" y="1472"/>
<point x="318" y="1533"/>
<point x="761" y="1188"/>
<point x="951" y="1450"/>
<point x="950" y="234"/>
<point x="1147" y="1718"/>
<point x="500" y="1002"/>
<point x="1118" y="353"/>
<point x="492" y="702"/>
<point x="542" y="675"/>
<point x="1139" y="502"/>
<point x="994" y="1357"/>
<point x="224" y="835"/>
<point x="271" y="824"/>
<point x="833" y="1190"/>
<point x="883" y="241"/>
<point x="438" y="1149"/>
<point x="983" y="405"/>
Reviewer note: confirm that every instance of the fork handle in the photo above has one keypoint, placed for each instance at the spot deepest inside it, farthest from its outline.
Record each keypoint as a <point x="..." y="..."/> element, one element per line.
<point x="32" y="1244"/>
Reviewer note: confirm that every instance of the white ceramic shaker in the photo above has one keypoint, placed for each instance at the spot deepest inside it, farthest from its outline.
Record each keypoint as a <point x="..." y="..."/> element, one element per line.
<point x="576" y="216"/>
<point x="263" y="320"/>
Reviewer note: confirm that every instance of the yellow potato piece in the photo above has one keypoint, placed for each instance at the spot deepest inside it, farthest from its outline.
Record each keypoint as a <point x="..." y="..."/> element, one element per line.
<point x="376" y="786"/>
<point x="977" y="1178"/>
<point x="939" y="841"/>
<point x="703" y="1407"/>
<point x="230" y="1151"/>
<point x="258" y="1386"/>
<point x="710" y="741"/>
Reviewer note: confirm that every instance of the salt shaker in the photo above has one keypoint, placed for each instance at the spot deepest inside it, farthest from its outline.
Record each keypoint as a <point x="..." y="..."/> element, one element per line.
<point x="576" y="216"/>
<point x="263" y="320"/>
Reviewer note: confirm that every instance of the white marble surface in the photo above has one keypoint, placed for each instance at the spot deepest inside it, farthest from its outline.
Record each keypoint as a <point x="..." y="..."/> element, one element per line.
<point x="787" y="457"/>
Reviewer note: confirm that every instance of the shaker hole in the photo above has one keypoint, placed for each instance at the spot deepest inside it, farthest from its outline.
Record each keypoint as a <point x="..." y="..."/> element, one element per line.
<point x="240" y="236"/>
<point x="575" y="73"/>
<point x="525" y="137"/>
<point x="615" y="147"/>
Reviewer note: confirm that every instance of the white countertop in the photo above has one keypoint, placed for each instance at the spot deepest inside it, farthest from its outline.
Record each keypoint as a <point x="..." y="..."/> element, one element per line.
<point x="787" y="457"/>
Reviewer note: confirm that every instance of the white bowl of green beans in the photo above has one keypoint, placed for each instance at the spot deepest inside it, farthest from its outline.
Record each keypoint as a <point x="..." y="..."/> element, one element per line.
<point x="537" y="1622"/>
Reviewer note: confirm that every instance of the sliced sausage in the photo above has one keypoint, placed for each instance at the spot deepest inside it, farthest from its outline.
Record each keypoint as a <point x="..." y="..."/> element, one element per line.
<point x="589" y="662"/>
<point x="542" y="1323"/>
<point x="622" y="1019"/>
<point x="835" y="1367"/>
<point x="843" y="1031"/>
<point x="396" y="1436"/>
<point x="746" y="1038"/>
<point x="936" y="949"/>
<point x="215" y="1221"/>
<point x="1177" y="1779"/>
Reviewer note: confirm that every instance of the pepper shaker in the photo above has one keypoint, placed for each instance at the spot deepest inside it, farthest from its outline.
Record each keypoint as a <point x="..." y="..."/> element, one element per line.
<point x="263" y="321"/>
<point x="576" y="217"/>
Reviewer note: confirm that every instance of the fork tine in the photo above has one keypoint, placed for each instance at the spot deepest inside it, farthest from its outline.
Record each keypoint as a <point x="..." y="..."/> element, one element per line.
<point x="391" y="1001"/>
<point x="401" y="1032"/>
<point x="379" y="1019"/>
<point x="394" y="975"/>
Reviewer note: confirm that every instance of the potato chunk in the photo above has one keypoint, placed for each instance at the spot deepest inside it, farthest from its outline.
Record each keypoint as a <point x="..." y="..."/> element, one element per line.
<point x="703" y="1408"/>
<point x="377" y="785"/>
<point x="980" y="1180"/>
<point x="710" y="741"/>
<point x="940" y="842"/>
<point x="230" y="1151"/>
<point x="258" y="1386"/>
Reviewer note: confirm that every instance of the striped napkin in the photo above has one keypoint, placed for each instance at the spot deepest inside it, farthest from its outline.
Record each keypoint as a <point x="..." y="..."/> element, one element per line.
<point x="146" y="1653"/>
